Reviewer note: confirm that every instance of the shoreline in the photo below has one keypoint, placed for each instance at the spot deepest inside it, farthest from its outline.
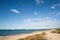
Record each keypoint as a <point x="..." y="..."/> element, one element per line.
<point x="16" y="32"/>
<point x="18" y="36"/>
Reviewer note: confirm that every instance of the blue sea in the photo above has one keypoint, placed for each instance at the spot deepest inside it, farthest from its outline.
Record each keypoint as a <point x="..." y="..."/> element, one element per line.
<point x="19" y="31"/>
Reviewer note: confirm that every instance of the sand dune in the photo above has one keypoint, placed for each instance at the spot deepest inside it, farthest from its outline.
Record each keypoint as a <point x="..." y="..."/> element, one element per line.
<point x="52" y="36"/>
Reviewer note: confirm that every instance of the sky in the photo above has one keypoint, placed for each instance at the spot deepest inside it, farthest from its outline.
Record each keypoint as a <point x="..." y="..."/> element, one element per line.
<point x="29" y="14"/>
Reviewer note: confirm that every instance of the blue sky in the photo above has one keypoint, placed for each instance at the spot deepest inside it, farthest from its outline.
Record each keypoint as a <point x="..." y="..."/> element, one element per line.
<point x="29" y="14"/>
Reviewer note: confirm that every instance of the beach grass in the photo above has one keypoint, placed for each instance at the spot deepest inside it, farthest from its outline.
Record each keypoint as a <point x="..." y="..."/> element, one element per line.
<point x="56" y="31"/>
<point x="42" y="36"/>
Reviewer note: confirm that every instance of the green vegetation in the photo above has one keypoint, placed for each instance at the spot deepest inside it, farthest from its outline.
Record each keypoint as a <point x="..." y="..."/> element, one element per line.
<point x="41" y="36"/>
<point x="56" y="31"/>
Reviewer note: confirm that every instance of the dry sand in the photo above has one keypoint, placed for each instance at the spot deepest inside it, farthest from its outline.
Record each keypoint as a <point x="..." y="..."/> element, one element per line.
<point x="53" y="36"/>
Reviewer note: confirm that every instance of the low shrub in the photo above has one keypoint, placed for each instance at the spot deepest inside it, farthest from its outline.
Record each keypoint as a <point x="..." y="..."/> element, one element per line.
<point x="56" y="31"/>
<point x="21" y="39"/>
<point x="42" y="36"/>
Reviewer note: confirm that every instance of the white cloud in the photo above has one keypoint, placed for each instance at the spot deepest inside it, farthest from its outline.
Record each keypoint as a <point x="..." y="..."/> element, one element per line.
<point x="39" y="1"/>
<point x="53" y="6"/>
<point x="15" y="11"/>
<point x="36" y="19"/>
<point x="40" y="22"/>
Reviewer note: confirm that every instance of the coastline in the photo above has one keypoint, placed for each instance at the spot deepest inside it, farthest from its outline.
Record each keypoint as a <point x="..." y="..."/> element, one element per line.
<point x="53" y="36"/>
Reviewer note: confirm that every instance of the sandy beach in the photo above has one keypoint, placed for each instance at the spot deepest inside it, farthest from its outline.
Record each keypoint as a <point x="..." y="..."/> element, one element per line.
<point x="53" y="36"/>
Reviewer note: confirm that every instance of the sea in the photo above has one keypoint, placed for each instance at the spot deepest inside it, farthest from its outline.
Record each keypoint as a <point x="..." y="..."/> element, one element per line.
<point x="18" y="31"/>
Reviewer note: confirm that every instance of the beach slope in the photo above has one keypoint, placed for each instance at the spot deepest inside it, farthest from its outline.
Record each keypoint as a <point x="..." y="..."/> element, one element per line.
<point x="49" y="34"/>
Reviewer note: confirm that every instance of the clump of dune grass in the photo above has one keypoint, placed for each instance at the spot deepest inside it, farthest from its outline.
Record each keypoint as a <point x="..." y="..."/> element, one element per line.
<point x="21" y="39"/>
<point x="56" y="31"/>
<point x="42" y="36"/>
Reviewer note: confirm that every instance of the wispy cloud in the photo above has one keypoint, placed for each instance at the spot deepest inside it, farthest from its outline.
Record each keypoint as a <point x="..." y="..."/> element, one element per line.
<point x="35" y="13"/>
<point x="39" y="1"/>
<point x="40" y="22"/>
<point x="58" y="4"/>
<point x="14" y="10"/>
<point x="55" y="13"/>
<point x="58" y="13"/>
<point x="53" y="6"/>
